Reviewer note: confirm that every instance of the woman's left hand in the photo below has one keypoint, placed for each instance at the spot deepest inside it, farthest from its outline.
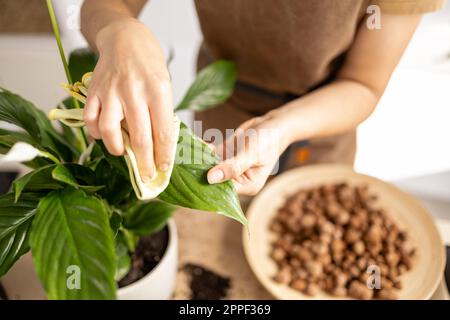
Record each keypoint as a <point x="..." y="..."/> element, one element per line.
<point x="251" y="154"/>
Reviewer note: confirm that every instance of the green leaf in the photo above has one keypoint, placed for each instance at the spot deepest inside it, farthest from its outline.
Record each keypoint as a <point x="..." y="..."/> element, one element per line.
<point x="20" y="112"/>
<point x="123" y="261"/>
<point x="115" y="222"/>
<point x="71" y="230"/>
<point x="146" y="218"/>
<point x="64" y="174"/>
<point x="8" y="138"/>
<point x="36" y="180"/>
<point x="96" y="154"/>
<point x="83" y="174"/>
<point x="188" y="185"/>
<point x="117" y="187"/>
<point x="16" y="110"/>
<point x="118" y="163"/>
<point x="81" y="60"/>
<point x="15" y="222"/>
<point x="213" y="85"/>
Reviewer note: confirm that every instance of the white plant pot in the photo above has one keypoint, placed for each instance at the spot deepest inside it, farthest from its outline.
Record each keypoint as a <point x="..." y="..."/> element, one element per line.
<point x="159" y="283"/>
<point x="21" y="282"/>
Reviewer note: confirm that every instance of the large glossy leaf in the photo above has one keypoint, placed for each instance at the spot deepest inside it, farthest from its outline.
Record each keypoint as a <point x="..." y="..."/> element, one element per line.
<point x="146" y="218"/>
<point x="188" y="185"/>
<point x="36" y="180"/>
<point x="81" y="61"/>
<point x="71" y="232"/>
<point x="18" y="111"/>
<point x="213" y="85"/>
<point x="56" y="176"/>
<point x="15" y="222"/>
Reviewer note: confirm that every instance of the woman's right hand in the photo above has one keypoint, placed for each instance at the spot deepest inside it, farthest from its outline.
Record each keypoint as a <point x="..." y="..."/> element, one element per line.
<point x="131" y="84"/>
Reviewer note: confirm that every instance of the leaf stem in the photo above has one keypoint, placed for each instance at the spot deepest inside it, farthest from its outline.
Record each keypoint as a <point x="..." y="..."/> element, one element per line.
<point x="51" y="157"/>
<point x="51" y="12"/>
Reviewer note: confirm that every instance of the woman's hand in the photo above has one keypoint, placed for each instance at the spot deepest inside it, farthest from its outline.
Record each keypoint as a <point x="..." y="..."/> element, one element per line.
<point x="251" y="154"/>
<point x="131" y="87"/>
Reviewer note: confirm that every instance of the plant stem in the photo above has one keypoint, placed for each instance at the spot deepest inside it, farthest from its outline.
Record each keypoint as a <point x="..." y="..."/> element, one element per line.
<point x="58" y="40"/>
<point x="51" y="12"/>
<point x="51" y="157"/>
<point x="131" y="240"/>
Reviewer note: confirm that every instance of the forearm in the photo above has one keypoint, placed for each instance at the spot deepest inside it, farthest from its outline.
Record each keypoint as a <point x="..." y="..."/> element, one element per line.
<point x="97" y="14"/>
<point x="333" y="109"/>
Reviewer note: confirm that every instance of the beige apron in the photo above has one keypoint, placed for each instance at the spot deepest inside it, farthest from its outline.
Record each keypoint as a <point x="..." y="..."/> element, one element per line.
<point x="284" y="49"/>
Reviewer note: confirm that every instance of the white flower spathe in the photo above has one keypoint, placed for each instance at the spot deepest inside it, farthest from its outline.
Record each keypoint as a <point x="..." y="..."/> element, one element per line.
<point x="21" y="152"/>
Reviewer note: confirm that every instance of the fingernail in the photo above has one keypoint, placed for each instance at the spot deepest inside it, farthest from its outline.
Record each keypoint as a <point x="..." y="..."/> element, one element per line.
<point x="164" y="167"/>
<point x="215" y="176"/>
<point x="146" y="179"/>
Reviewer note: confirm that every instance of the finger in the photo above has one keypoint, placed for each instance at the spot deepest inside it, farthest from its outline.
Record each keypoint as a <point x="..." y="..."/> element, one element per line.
<point x="163" y="126"/>
<point x="231" y="168"/>
<point x="111" y="115"/>
<point x="249" y="123"/>
<point x="241" y="183"/>
<point x="246" y="189"/>
<point x="251" y="182"/>
<point x="244" y="151"/>
<point x="91" y="115"/>
<point x="140" y="129"/>
<point x="238" y="186"/>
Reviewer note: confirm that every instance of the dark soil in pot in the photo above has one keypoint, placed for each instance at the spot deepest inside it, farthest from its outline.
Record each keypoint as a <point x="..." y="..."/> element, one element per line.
<point x="148" y="254"/>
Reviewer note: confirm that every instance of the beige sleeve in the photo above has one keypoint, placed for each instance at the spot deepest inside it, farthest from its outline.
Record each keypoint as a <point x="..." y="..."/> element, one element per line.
<point x="409" y="6"/>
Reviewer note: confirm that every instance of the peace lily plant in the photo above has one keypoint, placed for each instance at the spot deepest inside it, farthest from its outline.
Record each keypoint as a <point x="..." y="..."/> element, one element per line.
<point x="81" y="206"/>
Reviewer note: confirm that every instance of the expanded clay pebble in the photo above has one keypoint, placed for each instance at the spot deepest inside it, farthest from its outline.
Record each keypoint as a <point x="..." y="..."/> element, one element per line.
<point x="327" y="237"/>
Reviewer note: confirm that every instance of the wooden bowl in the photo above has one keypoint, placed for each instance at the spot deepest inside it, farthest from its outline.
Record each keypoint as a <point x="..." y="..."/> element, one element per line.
<point x="418" y="283"/>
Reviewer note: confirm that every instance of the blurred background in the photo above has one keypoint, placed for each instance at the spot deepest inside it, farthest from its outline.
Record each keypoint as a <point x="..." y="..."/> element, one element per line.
<point x="408" y="136"/>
